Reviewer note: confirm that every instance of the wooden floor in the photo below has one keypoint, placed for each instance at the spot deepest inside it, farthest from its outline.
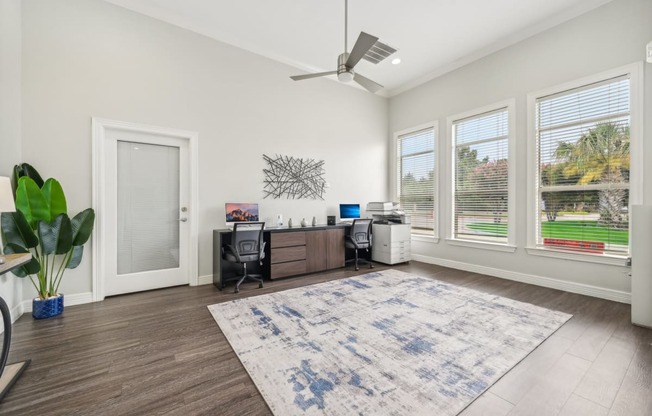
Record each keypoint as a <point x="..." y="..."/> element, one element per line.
<point x="161" y="352"/>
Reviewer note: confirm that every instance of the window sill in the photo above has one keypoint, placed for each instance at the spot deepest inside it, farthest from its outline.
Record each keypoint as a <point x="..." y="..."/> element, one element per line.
<point x="482" y="245"/>
<point x="585" y="257"/>
<point x="425" y="238"/>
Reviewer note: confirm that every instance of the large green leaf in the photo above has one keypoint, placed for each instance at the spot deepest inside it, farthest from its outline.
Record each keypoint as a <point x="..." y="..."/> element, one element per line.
<point x="32" y="267"/>
<point x="55" y="198"/>
<point x="56" y="237"/>
<point x="82" y="226"/>
<point x="15" y="229"/>
<point x="25" y="169"/>
<point x="77" y="253"/>
<point x="31" y="202"/>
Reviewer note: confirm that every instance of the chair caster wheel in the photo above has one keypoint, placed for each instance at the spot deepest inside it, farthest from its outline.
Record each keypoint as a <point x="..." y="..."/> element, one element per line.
<point x="236" y="290"/>
<point x="260" y="286"/>
<point x="357" y="268"/>
<point x="371" y="266"/>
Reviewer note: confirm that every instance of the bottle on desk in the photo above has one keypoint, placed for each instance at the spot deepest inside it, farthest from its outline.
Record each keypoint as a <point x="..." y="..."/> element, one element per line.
<point x="314" y="221"/>
<point x="279" y="220"/>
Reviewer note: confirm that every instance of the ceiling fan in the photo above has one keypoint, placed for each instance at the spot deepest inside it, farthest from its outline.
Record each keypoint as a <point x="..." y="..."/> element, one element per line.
<point x="367" y="47"/>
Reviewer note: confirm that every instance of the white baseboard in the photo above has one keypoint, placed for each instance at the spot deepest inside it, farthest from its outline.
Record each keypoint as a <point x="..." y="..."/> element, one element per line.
<point x="16" y="312"/>
<point x="205" y="280"/>
<point x="68" y="300"/>
<point x="582" y="289"/>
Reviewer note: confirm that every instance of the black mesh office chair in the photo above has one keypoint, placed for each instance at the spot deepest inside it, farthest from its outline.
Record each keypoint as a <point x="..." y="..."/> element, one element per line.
<point x="359" y="238"/>
<point x="246" y="246"/>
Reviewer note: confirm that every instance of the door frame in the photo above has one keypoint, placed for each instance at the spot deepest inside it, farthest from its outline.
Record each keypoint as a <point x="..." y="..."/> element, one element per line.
<point x="100" y="126"/>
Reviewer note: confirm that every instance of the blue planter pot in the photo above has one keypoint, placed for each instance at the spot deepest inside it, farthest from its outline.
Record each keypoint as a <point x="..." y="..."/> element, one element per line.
<point x="48" y="308"/>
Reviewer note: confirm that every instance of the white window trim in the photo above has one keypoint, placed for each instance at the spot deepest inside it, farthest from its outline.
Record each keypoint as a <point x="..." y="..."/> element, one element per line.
<point x="635" y="72"/>
<point x="487" y="245"/>
<point x="434" y="125"/>
<point x="510" y="246"/>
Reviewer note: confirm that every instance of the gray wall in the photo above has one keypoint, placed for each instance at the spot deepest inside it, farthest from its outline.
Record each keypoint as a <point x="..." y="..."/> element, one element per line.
<point x="10" y="119"/>
<point x="88" y="58"/>
<point x="608" y="37"/>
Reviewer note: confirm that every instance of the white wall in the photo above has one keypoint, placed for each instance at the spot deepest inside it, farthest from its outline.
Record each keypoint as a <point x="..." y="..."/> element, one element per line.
<point x="86" y="58"/>
<point x="10" y="120"/>
<point x="608" y="37"/>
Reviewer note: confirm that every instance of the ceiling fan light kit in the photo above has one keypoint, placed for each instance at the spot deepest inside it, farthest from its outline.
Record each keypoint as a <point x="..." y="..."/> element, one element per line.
<point x="367" y="47"/>
<point x="344" y="74"/>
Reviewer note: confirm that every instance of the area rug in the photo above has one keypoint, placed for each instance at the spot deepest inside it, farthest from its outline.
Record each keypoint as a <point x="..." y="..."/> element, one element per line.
<point x="385" y="343"/>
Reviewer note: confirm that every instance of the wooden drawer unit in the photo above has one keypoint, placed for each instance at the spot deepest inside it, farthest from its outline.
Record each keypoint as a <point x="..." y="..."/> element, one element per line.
<point x="289" y="268"/>
<point x="288" y="254"/>
<point x="284" y="254"/>
<point x="294" y="238"/>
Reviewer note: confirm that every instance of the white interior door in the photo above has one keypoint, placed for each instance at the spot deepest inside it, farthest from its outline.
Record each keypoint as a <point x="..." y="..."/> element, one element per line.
<point x="146" y="211"/>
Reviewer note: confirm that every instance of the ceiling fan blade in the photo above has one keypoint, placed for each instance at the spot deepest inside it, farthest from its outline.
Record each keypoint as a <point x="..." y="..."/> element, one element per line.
<point x="362" y="45"/>
<point x="308" y="76"/>
<point x="370" y="85"/>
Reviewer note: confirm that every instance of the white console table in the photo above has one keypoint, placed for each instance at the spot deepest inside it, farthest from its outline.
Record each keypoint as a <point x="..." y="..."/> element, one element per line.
<point x="391" y="243"/>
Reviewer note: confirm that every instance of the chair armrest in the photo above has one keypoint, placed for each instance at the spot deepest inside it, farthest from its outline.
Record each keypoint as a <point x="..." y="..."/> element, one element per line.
<point x="261" y="253"/>
<point x="355" y="243"/>
<point x="232" y="250"/>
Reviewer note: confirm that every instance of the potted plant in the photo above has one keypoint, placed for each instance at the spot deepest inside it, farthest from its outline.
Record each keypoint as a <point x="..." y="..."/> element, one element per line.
<point x="41" y="226"/>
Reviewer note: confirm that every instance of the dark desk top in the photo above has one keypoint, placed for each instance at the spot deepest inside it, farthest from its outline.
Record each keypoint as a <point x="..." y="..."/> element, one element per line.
<point x="295" y="228"/>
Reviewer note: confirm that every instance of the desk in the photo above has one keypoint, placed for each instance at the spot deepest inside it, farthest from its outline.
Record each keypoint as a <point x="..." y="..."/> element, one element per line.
<point x="10" y="373"/>
<point x="14" y="260"/>
<point x="288" y="252"/>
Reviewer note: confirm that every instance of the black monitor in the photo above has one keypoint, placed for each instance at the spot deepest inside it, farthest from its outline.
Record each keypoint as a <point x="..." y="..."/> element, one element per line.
<point x="239" y="212"/>
<point x="349" y="211"/>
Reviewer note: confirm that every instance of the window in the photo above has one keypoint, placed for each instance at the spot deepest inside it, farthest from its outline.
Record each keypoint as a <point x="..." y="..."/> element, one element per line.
<point x="416" y="178"/>
<point x="481" y="197"/>
<point x="583" y="168"/>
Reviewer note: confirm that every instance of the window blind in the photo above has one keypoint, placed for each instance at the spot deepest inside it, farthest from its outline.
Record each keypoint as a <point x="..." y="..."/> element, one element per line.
<point x="416" y="178"/>
<point x="583" y="168"/>
<point x="481" y="177"/>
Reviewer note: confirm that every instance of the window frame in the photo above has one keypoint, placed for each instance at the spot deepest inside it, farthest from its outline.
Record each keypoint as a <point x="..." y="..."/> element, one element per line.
<point x="635" y="72"/>
<point x="510" y="245"/>
<point x="394" y="171"/>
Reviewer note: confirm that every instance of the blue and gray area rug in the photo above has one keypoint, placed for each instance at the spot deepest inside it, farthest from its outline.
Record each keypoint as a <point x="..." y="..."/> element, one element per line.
<point x="385" y="343"/>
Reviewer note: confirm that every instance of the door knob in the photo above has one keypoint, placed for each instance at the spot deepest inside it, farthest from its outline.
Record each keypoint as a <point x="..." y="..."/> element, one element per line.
<point x="184" y="219"/>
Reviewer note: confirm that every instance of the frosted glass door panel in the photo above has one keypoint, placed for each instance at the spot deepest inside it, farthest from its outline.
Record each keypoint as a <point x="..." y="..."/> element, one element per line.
<point x="148" y="207"/>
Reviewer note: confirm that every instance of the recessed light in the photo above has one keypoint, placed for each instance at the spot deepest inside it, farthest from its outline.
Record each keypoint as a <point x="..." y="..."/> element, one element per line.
<point x="396" y="61"/>
<point x="136" y="148"/>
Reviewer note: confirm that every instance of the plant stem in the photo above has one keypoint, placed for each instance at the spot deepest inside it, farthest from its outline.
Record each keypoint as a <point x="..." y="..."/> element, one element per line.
<point x="54" y="257"/>
<point x="66" y="260"/>
<point x="43" y="279"/>
<point x="62" y="269"/>
<point x="31" y="279"/>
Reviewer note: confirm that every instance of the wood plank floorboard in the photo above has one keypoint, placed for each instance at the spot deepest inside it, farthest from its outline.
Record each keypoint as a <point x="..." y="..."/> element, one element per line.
<point x="161" y="353"/>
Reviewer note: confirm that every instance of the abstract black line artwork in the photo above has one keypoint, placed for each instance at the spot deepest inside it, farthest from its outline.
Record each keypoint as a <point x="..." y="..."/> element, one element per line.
<point x="294" y="178"/>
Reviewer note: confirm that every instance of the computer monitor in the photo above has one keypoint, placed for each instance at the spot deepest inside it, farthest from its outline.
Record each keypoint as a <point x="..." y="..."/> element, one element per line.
<point x="349" y="211"/>
<point x="239" y="212"/>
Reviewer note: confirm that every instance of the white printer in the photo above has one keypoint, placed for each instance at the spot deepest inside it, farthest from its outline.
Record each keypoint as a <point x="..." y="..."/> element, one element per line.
<point x="387" y="212"/>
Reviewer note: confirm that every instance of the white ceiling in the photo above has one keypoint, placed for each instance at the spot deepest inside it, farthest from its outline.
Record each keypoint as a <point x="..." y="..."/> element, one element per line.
<point x="432" y="36"/>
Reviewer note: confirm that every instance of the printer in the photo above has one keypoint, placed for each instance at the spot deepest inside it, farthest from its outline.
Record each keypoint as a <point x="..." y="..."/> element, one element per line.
<point x="387" y="213"/>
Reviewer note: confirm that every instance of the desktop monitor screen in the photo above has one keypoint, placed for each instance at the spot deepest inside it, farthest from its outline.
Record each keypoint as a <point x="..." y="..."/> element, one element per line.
<point x="349" y="211"/>
<point x="236" y="212"/>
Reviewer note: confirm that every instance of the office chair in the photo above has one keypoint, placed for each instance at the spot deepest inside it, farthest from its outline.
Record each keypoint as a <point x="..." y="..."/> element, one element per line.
<point x="246" y="246"/>
<point x="359" y="238"/>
